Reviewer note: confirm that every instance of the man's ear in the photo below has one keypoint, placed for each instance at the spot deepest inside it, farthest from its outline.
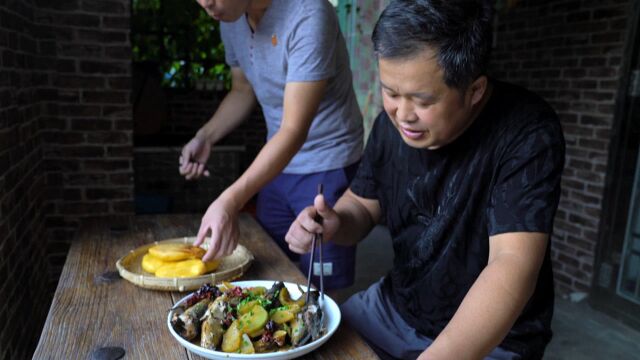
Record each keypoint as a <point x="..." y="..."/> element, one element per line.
<point x="477" y="89"/>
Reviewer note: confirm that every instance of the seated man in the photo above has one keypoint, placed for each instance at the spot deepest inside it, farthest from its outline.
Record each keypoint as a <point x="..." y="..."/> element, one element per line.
<point x="465" y="171"/>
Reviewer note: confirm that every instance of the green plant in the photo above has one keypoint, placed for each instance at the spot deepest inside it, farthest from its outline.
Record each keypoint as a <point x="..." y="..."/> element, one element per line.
<point x="181" y="39"/>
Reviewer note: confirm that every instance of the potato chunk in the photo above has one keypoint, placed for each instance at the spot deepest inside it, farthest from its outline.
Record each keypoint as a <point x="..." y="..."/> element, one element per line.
<point x="181" y="269"/>
<point x="232" y="338"/>
<point x="254" y="320"/>
<point x="151" y="263"/>
<point x="176" y="252"/>
<point x="246" y="347"/>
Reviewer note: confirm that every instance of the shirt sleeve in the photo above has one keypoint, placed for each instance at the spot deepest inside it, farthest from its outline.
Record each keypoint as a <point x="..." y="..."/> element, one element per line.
<point x="526" y="192"/>
<point x="311" y="46"/>
<point x="364" y="184"/>
<point x="229" y="54"/>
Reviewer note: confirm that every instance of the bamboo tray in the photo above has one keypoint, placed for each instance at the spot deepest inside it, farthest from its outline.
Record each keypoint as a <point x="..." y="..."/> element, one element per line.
<point x="231" y="267"/>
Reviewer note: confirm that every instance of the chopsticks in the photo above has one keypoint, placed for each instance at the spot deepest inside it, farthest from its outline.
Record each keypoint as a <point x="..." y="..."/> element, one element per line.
<point x="317" y="238"/>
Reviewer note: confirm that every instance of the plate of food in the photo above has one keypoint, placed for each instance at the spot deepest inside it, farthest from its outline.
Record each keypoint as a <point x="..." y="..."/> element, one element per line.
<point x="176" y="265"/>
<point x="248" y="320"/>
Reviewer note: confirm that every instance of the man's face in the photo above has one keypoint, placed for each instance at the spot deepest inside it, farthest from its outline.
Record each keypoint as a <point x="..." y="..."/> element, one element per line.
<point x="427" y="113"/>
<point x="225" y="10"/>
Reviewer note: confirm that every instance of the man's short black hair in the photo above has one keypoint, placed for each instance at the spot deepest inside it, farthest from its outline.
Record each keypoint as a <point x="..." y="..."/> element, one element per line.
<point x="458" y="30"/>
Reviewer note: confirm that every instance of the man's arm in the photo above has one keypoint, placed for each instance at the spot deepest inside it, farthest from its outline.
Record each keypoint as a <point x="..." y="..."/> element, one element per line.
<point x="357" y="217"/>
<point x="301" y="102"/>
<point x="495" y="300"/>
<point x="233" y="110"/>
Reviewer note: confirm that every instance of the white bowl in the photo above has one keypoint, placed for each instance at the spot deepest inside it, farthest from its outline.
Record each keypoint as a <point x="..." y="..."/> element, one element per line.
<point x="332" y="320"/>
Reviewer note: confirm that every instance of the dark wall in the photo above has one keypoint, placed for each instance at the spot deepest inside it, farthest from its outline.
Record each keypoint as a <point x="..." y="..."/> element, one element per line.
<point x="159" y="186"/>
<point x="88" y="130"/>
<point x="570" y="52"/>
<point x="23" y="263"/>
<point x="65" y="145"/>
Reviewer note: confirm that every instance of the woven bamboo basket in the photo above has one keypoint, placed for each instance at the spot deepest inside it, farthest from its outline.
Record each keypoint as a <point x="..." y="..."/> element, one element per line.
<point x="231" y="267"/>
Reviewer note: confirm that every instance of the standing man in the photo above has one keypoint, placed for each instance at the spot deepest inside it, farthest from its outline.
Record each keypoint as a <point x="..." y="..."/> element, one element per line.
<point x="290" y="57"/>
<point x="465" y="171"/>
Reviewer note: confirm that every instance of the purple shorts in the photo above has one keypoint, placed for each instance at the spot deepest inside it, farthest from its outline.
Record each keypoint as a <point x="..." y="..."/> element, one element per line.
<point x="280" y="202"/>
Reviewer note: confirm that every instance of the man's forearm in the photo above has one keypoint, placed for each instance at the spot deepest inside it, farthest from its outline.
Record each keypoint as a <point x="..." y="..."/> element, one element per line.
<point x="271" y="160"/>
<point x="355" y="220"/>
<point x="487" y="312"/>
<point x="234" y="109"/>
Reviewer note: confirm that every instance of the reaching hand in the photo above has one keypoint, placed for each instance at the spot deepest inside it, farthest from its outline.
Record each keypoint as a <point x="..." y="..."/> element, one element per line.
<point x="193" y="158"/>
<point x="301" y="232"/>
<point x="221" y="220"/>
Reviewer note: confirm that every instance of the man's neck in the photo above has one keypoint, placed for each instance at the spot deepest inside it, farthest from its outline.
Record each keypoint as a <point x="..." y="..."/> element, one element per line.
<point x="256" y="10"/>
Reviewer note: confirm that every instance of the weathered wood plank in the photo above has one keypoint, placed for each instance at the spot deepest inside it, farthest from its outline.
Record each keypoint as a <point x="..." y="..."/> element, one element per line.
<point x="89" y="312"/>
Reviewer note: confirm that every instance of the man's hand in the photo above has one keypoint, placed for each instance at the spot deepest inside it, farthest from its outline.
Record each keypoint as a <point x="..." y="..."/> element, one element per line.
<point x="301" y="232"/>
<point x="193" y="158"/>
<point x="221" y="221"/>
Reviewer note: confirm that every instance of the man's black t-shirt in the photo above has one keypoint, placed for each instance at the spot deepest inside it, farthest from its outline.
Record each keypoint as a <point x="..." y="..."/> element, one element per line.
<point x="441" y="206"/>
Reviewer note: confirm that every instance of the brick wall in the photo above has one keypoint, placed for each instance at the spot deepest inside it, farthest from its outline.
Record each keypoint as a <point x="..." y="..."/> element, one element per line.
<point x="23" y="265"/>
<point x="65" y="145"/>
<point x="159" y="187"/>
<point x="189" y="110"/>
<point x="88" y="129"/>
<point x="570" y="52"/>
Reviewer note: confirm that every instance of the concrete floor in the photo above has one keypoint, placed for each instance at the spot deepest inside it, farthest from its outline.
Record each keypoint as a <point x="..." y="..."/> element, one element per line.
<point x="580" y="332"/>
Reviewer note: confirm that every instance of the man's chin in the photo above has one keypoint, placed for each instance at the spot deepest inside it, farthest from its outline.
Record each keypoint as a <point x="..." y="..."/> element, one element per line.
<point x="421" y="143"/>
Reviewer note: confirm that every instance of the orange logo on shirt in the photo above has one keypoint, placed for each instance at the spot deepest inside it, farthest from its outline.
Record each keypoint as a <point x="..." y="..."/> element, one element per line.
<point x="274" y="40"/>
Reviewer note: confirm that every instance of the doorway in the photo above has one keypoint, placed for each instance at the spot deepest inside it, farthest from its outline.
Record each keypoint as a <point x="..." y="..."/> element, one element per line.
<point x="616" y="284"/>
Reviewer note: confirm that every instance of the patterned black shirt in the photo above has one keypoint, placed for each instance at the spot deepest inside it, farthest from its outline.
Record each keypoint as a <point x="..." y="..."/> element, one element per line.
<point x="501" y="175"/>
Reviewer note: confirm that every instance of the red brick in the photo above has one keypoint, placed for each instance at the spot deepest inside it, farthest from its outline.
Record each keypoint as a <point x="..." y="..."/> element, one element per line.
<point x="120" y="83"/>
<point x="116" y="22"/>
<point x="610" y="12"/>
<point x="78" y="19"/>
<point x="105" y="97"/>
<point x="108" y="137"/>
<point x="64" y="65"/>
<point x="585" y="199"/>
<point x="79" y="81"/>
<point x="118" y="52"/>
<point x="91" y="124"/>
<point x="120" y="151"/>
<point x="105" y="6"/>
<point x="121" y="179"/>
<point x="79" y="110"/>
<point x="123" y="207"/>
<point x="64" y="137"/>
<point x="107" y="165"/>
<point x="85" y="179"/>
<point x="82" y="208"/>
<point x="75" y="151"/>
<point x="104" y="67"/>
<point x="58" y="4"/>
<point x="81" y="50"/>
<point x="68" y="96"/>
<point x="102" y="36"/>
<point x="108" y="193"/>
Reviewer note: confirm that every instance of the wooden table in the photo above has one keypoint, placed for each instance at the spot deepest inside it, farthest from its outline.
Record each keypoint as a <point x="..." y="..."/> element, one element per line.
<point x="94" y="308"/>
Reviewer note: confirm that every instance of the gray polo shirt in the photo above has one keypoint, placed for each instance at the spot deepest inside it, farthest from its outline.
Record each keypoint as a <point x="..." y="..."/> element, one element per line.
<point x="298" y="41"/>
